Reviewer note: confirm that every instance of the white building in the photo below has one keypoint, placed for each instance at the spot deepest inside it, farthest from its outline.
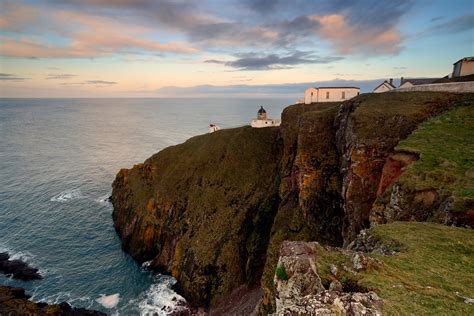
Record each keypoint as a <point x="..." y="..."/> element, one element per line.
<point x="213" y="128"/>
<point x="330" y="94"/>
<point x="384" y="86"/>
<point x="407" y="83"/>
<point x="463" y="67"/>
<point x="263" y="121"/>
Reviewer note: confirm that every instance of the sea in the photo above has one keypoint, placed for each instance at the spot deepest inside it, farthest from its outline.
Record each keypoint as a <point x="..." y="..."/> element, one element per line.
<point x="58" y="159"/>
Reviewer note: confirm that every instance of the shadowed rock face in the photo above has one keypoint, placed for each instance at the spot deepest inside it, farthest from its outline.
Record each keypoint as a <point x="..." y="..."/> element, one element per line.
<point x="214" y="211"/>
<point x="14" y="301"/>
<point x="17" y="268"/>
<point x="203" y="210"/>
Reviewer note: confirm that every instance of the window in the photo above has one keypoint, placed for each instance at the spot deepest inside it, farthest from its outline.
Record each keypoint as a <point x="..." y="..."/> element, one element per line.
<point x="311" y="93"/>
<point x="343" y="94"/>
<point x="327" y="95"/>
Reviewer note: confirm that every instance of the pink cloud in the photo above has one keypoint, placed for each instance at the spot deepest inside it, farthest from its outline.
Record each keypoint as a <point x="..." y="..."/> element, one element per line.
<point x="351" y="39"/>
<point x="88" y="36"/>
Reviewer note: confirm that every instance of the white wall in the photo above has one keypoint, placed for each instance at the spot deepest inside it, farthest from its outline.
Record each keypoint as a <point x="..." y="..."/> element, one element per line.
<point x="265" y="123"/>
<point x="335" y="95"/>
<point x="383" y="88"/>
<point x="308" y="98"/>
<point x="457" y="87"/>
<point x="406" y="85"/>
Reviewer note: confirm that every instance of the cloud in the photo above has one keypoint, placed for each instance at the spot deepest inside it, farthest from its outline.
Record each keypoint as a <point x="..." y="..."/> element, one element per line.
<point x="456" y="25"/>
<point x="90" y="28"/>
<point x="59" y="76"/>
<point x="345" y="37"/>
<point x="254" y="61"/>
<point x="293" y="90"/>
<point x="86" y="35"/>
<point x="11" y="77"/>
<point x="95" y="82"/>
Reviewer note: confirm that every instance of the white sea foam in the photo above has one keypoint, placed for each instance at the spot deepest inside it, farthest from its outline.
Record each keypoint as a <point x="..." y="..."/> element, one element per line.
<point x="109" y="301"/>
<point x="104" y="200"/>
<point x="67" y="195"/>
<point x="160" y="299"/>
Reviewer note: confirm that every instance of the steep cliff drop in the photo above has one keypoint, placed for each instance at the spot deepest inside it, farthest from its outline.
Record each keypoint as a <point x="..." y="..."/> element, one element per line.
<point x="214" y="211"/>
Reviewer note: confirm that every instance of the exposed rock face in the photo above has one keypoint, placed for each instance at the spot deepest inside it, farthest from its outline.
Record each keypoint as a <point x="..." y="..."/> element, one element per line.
<point x="301" y="292"/>
<point x="311" y="205"/>
<point x="17" y="268"/>
<point x="14" y="301"/>
<point x="203" y="211"/>
<point x="369" y="128"/>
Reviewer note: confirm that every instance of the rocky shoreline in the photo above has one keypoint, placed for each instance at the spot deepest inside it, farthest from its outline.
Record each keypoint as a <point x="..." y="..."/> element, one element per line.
<point x="14" y="301"/>
<point x="17" y="269"/>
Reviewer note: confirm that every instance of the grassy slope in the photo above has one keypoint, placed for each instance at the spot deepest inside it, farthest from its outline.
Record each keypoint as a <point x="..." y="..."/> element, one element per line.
<point x="435" y="262"/>
<point x="384" y="118"/>
<point x="446" y="147"/>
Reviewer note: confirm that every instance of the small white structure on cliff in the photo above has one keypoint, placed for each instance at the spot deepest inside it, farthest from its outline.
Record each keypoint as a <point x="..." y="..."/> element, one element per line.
<point x="330" y="94"/>
<point x="463" y="67"/>
<point x="384" y="86"/>
<point x="263" y="121"/>
<point x="213" y="128"/>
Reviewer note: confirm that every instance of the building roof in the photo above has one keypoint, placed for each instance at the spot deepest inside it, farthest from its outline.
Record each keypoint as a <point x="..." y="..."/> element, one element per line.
<point x="385" y="82"/>
<point x="262" y="110"/>
<point x="418" y="81"/>
<point x="336" y="88"/>
<point x="471" y="58"/>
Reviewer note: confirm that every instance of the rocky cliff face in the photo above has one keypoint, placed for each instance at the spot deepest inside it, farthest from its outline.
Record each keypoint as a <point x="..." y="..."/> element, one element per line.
<point x="368" y="129"/>
<point x="214" y="211"/>
<point x="203" y="210"/>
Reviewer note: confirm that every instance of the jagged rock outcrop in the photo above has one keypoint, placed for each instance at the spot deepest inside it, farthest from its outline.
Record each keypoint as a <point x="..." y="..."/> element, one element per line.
<point x="14" y="301"/>
<point x="299" y="289"/>
<point x="17" y="269"/>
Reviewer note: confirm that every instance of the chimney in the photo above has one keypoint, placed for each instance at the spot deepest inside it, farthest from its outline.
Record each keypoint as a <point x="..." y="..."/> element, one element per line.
<point x="391" y="81"/>
<point x="401" y="80"/>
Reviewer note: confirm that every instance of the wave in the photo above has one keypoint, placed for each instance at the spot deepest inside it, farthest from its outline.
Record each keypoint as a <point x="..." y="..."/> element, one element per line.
<point x="105" y="200"/>
<point x="160" y="299"/>
<point x="67" y="195"/>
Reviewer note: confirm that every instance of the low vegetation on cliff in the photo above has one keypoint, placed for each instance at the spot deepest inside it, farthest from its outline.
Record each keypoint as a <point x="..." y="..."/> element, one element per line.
<point x="446" y="147"/>
<point x="430" y="271"/>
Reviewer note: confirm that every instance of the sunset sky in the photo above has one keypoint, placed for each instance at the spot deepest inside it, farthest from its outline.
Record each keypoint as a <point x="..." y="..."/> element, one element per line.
<point x="153" y="48"/>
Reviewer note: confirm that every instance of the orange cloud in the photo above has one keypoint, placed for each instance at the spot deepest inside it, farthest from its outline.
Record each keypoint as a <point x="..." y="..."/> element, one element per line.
<point x="349" y="39"/>
<point x="89" y="36"/>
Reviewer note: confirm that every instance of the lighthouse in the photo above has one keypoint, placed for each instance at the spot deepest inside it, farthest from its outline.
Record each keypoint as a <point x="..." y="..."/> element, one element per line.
<point x="263" y="121"/>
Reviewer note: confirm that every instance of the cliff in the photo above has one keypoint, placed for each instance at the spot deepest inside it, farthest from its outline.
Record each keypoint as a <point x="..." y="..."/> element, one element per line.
<point x="214" y="211"/>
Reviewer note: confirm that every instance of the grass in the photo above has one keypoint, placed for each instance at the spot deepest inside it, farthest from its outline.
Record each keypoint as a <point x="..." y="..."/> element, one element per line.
<point x="446" y="147"/>
<point x="281" y="273"/>
<point x="423" y="279"/>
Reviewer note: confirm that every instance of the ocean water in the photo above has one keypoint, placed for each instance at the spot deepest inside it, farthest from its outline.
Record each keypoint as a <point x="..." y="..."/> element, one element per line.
<point x="58" y="158"/>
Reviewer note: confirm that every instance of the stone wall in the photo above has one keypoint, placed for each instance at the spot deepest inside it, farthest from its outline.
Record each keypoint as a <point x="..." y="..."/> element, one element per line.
<point x="456" y="87"/>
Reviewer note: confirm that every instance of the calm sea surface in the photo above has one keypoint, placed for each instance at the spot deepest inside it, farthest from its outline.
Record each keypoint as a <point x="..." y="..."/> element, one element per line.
<point x="58" y="158"/>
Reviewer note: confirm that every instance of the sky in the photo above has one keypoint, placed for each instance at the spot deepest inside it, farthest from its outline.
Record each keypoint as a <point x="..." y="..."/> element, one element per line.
<point x="164" y="48"/>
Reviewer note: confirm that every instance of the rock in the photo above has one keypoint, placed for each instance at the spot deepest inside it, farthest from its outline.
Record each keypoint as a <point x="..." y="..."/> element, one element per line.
<point x="333" y="269"/>
<point x="17" y="268"/>
<point x="14" y="301"/>
<point x="335" y="286"/>
<point x="359" y="261"/>
<point x="298" y="260"/>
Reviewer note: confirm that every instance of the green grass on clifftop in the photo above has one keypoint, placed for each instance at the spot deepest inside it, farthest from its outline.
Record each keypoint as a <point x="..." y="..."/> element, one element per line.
<point x="429" y="276"/>
<point x="446" y="147"/>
